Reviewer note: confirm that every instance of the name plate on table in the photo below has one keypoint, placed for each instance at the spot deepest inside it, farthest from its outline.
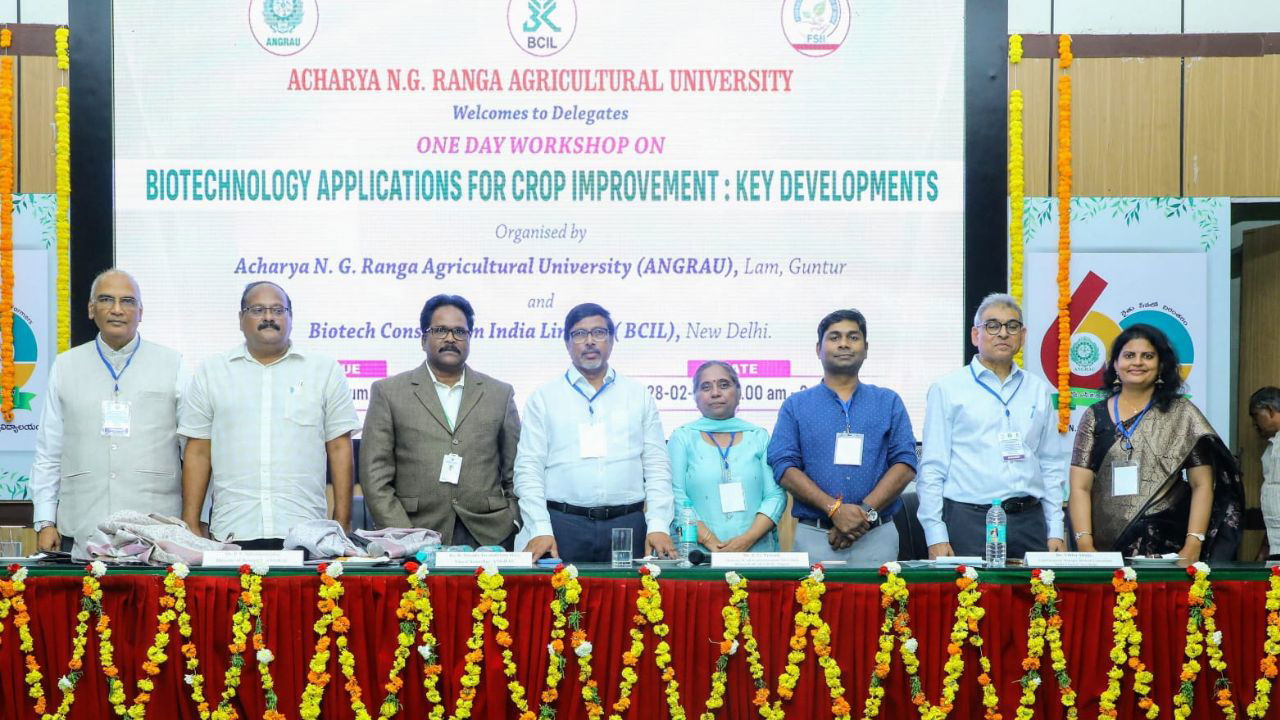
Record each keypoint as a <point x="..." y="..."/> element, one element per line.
<point x="1074" y="559"/>
<point x="476" y="559"/>
<point x="759" y="559"/>
<point x="236" y="558"/>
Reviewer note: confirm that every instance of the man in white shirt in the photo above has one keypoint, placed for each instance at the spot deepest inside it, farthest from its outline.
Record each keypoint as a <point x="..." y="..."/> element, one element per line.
<point x="990" y="433"/>
<point x="1264" y="408"/>
<point x="592" y="456"/>
<point x="108" y="439"/>
<point x="263" y="420"/>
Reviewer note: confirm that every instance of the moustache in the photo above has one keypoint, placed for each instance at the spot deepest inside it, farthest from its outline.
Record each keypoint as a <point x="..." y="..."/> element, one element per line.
<point x="452" y="347"/>
<point x="268" y="324"/>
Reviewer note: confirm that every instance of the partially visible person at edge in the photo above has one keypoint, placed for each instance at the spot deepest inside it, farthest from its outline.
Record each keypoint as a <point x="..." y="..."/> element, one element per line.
<point x="1264" y="409"/>
<point x="720" y="462"/>
<point x="1148" y="473"/>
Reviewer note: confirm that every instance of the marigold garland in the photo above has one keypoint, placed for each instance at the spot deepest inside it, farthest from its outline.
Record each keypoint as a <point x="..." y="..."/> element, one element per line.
<point x="62" y="187"/>
<point x="156" y="656"/>
<point x="1202" y="638"/>
<point x="1064" y="234"/>
<point x="1017" y="183"/>
<point x="567" y="589"/>
<point x="245" y="621"/>
<point x="893" y="600"/>
<point x="1126" y="651"/>
<point x="1045" y="626"/>
<point x="8" y="378"/>
<point x="1268" y="666"/>
<point x="737" y="623"/>
<point x="808" y="621"/>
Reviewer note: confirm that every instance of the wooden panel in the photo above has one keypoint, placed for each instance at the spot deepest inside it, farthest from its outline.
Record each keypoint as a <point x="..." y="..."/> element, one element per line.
<point x="1124" y="127"/>
<point x="787" y="527"/>
<point x="1232" y="126"/>
<point x="38" y="77"/>
<point x="1259" y="354"/>
<point x="1032" y="77"/>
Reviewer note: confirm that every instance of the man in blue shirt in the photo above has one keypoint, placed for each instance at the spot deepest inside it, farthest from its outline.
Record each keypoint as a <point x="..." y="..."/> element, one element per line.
<point x="845" y="451"/>
<point x="990" y="433"/>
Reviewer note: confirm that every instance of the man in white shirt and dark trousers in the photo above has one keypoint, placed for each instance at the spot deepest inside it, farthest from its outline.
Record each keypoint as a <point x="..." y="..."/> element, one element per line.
<point x="592" y="455"/>
<point x="990" y="432"/>
<point x="263" y="421"/>
<point x="1264" y="408"/>
<point x="108" y="439"/>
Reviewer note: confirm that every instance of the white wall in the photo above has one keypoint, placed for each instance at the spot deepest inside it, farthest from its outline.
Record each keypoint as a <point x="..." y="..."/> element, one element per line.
<point x="50" y="12"/>
<point x="1122" y="17"/>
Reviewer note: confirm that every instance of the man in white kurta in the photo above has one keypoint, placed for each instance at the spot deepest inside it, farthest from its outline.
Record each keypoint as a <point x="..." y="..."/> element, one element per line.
<point x="108" y="438"/>
<point x="264" y="422"/>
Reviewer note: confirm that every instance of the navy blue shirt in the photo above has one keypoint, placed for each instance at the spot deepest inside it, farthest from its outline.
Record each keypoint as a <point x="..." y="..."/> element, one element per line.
<point x="805" y="438"/>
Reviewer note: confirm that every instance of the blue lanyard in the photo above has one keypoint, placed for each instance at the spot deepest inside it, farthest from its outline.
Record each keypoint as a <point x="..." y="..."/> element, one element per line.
<point x="724" y="451"/>
<point x="847" y="407"/>
<point x="995" y="394"/>
<point x="590" y="407"/>
<point x="115" y="376"/>
<point x="1127" y="432"/>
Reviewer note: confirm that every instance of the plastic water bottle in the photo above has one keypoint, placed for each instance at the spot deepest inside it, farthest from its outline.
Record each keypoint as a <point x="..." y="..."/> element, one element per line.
<point x="688" y="524"/>
<point x="997" y="527"/>
<point x="427" y="553"/>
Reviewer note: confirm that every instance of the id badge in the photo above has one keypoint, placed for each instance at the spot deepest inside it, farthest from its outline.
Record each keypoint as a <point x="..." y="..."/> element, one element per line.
<point x="591" y="440"/>
<point x="731" y="498"/>
<point x="1011" y="446"/>
<point x="848" y="448"/>
<point x="1124" y="480"/>
<point x="450" y="469"/>
<point x="115" y="418"/>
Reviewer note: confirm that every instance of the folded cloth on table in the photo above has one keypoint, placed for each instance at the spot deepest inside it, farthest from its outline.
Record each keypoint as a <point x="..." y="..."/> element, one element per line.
<point x="131" y="536"/>
<point x="398" y="542"/>
<point x="321" y="539"/>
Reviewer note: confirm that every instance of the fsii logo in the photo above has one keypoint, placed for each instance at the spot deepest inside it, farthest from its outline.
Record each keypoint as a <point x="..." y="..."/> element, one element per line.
<point x="542" y="27"/>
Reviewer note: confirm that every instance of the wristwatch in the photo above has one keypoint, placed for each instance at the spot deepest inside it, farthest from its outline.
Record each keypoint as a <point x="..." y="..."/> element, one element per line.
<point x="1198" y="536"/>
<point x="42" y="524"/>
<point x="872" y="515"/>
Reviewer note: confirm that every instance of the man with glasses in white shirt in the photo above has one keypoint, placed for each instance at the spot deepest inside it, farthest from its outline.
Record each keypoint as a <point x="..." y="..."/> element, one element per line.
<point x="592" y="455"/>
<point x="108" y="439"/>
<point x="990" y="433"/>
<point x="439" y="441"/>
<point x="264" y="420"/>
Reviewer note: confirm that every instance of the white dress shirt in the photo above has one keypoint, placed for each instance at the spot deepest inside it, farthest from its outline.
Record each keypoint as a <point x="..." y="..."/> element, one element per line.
<point x="1271" y="461"/>
<point x="549" y="462"/>
<point x="46" y="466"/>
<point x="267" y="426"/>
<point x="450" y="396"/>
<point x="962" y="459"/>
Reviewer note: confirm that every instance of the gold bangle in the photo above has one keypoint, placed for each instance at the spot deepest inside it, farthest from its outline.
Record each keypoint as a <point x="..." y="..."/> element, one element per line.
<point x="831" y="511"/>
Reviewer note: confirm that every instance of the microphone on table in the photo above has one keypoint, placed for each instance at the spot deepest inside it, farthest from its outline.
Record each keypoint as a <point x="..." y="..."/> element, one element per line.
<point x="697" y="557"/>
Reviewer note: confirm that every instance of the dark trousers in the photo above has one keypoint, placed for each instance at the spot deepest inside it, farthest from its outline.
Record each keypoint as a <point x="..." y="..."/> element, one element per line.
<point x="581" y="539"/>
<point x="262" y="544"/>
<point x="967" y="528"/>
<point x="463" y="536"/>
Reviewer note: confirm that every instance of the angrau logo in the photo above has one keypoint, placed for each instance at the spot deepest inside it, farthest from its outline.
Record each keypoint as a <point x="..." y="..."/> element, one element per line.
<point x="284" y="27"/>
<point x="542" y="27"/>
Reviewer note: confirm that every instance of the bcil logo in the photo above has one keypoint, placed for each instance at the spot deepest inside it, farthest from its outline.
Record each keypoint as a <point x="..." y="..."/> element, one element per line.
<point x="542" y="27"/>
<point x="815" y="27"/>
<point x="284" y="27"/>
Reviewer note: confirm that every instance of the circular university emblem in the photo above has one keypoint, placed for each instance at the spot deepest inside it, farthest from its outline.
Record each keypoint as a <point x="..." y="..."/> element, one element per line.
<point x="815" y="27"/>
<point x="1087" y="353"/>
<point x="542" y="27"/>
<point x="283" y="27"/>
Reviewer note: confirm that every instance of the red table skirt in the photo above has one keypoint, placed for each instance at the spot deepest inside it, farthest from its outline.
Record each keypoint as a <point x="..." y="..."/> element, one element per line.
<point x="693" y="612"/>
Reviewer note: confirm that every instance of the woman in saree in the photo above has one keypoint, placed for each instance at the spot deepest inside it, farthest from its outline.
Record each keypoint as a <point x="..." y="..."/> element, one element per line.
<point x="1149" y="475"/>
<point x="718" y="462"/>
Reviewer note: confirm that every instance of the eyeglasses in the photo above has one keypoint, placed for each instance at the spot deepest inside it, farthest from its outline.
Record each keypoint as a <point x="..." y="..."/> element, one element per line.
<point x="993" y="326"/>
<point x="126" y="303"/>
<point x="260" y="310"/>
<point x="459" y="333"/>
<point x="597" y="334"/>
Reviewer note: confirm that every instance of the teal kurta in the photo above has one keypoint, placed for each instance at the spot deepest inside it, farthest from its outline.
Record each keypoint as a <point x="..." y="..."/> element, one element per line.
<point x="696" y="473"/>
